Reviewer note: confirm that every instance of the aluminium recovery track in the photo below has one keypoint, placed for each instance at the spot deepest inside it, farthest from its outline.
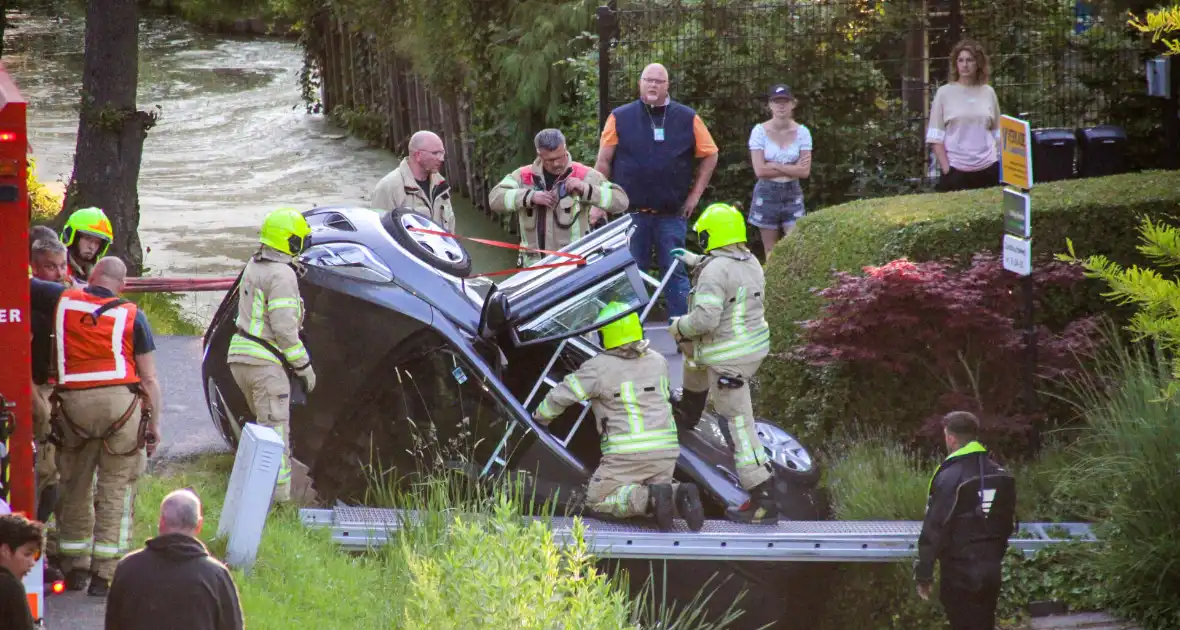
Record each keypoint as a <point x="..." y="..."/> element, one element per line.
<point x="361" y="528"/>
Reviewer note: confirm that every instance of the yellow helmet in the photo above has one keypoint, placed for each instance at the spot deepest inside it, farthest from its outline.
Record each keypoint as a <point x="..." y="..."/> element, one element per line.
<point x="621" y="331"/>
<point x="286" y="230"/>
<point x="719" y="225"/>
<point x="91" y="222"/>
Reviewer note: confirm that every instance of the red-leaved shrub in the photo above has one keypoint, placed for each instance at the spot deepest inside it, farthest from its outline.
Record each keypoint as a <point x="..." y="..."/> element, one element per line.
<point x="939" y="337"/>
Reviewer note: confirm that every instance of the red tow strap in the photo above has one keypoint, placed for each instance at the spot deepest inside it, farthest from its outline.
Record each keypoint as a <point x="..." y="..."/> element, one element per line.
<point x="575" y="259"/>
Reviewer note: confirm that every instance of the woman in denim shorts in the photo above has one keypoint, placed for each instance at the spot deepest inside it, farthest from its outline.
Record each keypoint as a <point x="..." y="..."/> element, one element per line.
<point x="780" y="150"/>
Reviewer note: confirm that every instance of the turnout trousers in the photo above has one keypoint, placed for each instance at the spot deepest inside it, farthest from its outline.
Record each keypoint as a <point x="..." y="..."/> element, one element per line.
<point x="48" y="478"/>
<point x="619" y="487"/>
<point x="737" y="416"/>
<point x="95" y="518"/>
<point x="267" y="389"/>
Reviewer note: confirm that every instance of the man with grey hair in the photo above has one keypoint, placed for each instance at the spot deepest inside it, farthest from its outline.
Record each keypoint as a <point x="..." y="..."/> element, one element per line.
<point x="416" y="183"/>
<point x="556" y="199"/>
<point x="173" y="581"/>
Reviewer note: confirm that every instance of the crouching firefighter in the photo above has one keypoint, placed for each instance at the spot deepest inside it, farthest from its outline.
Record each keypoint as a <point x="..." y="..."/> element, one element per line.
<point x="106" y="420"/>
<point x="729" y="338"/>
<point x="556" y="199"/>
<point x="970" y="515"/>
<point x="267" y="358"/>
<point x="627" y="387"/>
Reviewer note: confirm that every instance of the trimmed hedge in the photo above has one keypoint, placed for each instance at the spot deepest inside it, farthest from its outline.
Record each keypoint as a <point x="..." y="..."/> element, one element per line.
<point x="1100" y="215"/>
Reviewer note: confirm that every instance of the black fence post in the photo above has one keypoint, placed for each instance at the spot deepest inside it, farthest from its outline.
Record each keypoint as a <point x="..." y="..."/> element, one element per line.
<point x="955" y="31"/>
<point x="608" y="25"/>
<point x="1172" y="115"/>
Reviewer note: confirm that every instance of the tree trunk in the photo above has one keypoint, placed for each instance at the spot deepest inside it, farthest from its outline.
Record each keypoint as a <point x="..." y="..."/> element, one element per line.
<point x="110" y="129"/>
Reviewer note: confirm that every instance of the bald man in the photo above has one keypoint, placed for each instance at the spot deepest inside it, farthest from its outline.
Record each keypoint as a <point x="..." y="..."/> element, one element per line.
<point x="107" y="397"/>
<point x="416" y="183"/>
<point x="173" y="582"/>
<point x="650" y="147"/>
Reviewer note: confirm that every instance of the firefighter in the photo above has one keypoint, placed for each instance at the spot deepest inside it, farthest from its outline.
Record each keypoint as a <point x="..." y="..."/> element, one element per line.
<point x="88" y="235"/>
<point x="107" y="402"/>
<point x="417" y="184"/>
<point x="266" y="352"/>
<point x="970" y="515"/>
<point x="627" y="387"/>
<point x="557" y="199"/>
<point x="729" y="338"/>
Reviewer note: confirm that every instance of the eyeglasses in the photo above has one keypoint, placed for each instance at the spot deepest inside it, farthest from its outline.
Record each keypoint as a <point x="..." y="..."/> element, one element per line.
<point x="653" y="81"/>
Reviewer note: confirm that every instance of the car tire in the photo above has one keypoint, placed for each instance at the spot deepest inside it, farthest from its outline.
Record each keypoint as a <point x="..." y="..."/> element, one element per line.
<point x="803" y="469"/>
<point x="443" y="253"/>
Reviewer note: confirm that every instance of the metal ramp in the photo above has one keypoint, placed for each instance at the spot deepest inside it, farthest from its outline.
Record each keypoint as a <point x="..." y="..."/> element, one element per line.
<point x="361" y="528"/>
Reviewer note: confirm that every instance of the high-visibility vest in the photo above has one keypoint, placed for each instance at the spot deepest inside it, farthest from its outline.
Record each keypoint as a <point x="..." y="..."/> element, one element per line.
<point x="94" y="352"/>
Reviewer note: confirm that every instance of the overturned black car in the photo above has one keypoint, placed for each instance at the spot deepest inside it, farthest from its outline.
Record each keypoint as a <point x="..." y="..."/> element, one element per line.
<point x="421" y="366"/>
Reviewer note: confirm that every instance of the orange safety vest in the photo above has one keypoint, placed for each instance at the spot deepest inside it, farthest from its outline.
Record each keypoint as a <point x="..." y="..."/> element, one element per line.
<point x="94" y="352"/>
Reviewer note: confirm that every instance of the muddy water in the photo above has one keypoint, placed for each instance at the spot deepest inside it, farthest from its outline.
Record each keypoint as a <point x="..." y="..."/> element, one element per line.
<point x="233" y="141"/>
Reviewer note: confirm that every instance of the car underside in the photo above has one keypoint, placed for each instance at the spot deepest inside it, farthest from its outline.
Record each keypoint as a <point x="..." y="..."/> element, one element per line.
<point x="421" y="367"/>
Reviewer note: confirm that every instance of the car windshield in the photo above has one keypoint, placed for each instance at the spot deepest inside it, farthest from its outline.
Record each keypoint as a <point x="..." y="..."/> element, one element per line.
<point x="579" y="313"/>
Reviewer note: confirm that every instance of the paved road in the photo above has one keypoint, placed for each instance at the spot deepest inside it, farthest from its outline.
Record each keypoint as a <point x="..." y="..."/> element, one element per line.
<point x="187" y="431"/>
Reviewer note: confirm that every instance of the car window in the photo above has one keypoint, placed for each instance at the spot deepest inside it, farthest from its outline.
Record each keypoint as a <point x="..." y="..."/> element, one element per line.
<point x="579" y="313"/>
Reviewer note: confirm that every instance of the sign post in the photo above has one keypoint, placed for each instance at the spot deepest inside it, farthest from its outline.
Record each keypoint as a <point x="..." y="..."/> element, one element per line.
<point x="1016" y="169"/>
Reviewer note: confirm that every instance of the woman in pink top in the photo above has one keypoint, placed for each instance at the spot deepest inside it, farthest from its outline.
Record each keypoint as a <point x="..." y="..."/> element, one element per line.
<point x="964" y="128"/>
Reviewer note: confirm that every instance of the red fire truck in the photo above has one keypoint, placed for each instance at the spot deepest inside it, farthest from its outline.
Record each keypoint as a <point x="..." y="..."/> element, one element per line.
<point x="17" y="483"/>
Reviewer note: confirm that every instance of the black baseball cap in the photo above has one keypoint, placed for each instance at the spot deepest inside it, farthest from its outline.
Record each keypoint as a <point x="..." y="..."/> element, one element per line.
<point x="779" y="90"/>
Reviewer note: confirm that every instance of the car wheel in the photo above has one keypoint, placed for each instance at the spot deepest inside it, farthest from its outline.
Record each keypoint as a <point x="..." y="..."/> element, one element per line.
<point x="441" y="252"/>
<point x="219" y="410"/>
<point x="792" y="460"/>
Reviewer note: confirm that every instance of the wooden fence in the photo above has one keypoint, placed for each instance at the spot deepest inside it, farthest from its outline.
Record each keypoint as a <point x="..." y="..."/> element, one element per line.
<point x="376" y="91"/>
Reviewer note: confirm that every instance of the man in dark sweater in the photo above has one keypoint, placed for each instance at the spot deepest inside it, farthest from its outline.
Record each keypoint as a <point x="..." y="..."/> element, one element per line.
<point x="21" y="543"/>
<point x="173" y="581"/>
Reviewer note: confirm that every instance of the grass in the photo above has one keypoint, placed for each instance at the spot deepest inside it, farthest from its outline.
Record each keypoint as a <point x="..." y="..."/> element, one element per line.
<point x="489" y="569"/>
<point x="165" y="313"/>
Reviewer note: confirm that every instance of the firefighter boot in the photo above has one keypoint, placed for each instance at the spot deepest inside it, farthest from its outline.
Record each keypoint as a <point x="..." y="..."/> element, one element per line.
<point x="761" y="509"/>
<point x="662" y="503"/>
<point x="76" y="579"/>
<point x="99" y="587"/>
<point x="688" y="506"/>
<point x="689" y="408"/>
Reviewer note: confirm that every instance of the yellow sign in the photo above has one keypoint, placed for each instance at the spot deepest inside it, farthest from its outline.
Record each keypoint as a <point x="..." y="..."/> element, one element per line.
<point x="1015" y="152"/>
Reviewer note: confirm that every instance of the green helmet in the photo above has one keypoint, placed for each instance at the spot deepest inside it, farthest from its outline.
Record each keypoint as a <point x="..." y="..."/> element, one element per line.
<point x="91" y="222"/>
<point x="719" y="225"/>
<point x="286" y="230"/>
<point x="621" y="331"/>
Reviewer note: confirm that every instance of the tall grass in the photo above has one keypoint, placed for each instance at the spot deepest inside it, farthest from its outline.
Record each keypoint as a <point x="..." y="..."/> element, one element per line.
<point x="1126" y="468"/>
<point x="469" y="560"/>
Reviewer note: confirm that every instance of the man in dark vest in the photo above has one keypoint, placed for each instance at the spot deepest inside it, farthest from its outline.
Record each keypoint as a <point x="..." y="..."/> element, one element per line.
<point x="649" y="147"/>
<point x="970" y="515"/>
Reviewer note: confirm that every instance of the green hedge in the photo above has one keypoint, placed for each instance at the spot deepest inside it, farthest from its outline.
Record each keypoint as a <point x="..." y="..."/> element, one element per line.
<point x="1100" y="215"/>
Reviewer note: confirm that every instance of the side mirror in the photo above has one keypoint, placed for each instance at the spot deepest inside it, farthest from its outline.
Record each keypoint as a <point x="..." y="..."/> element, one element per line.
<point x="494" y="314"/>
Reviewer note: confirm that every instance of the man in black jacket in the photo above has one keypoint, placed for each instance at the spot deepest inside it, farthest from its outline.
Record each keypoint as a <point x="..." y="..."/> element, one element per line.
<point x="173" y="582"/>
<point x="970" y="515"/>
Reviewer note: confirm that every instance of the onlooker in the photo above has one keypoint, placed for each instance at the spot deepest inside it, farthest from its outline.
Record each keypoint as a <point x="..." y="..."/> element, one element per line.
<point x="780" y="150"/>
<point x="556" y="199"/>
<point x="964" y="128"/>
<point x="48" y="262"/>
<point x="416" y="183"/>
<point x="21" y="542"/>
<point x="173" y="582"/>
<point x="970" y="515"/>
<point x="648" y="147"/>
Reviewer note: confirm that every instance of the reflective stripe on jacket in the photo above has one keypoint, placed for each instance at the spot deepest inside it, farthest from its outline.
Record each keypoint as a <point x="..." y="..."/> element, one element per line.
<point x="269" y="307"/>
<point x="568" y="222"/>
<point x="629" y="394"/>
<point x="725" y="317"/>
<point x="94" y="352"/>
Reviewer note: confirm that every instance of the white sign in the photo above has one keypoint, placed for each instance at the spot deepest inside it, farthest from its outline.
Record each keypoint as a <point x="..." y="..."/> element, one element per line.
<point x="1017" y="255"/>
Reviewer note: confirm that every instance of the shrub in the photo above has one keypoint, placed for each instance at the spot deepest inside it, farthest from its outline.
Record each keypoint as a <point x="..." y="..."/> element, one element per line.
<point x="44" y="204"/>
<point x="1098" y="214"/>
<point x="943" y="339"/>
<point x="1125" y="469"/>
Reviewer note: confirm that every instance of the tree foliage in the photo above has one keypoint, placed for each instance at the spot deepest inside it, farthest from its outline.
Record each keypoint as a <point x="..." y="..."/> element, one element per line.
<point x="1159" y="23"/>
<point x="1156" y="296"/>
